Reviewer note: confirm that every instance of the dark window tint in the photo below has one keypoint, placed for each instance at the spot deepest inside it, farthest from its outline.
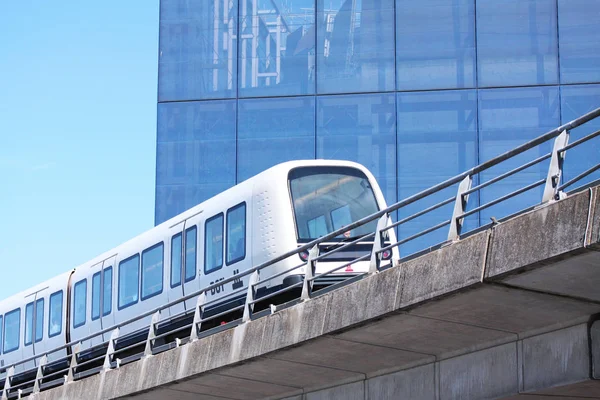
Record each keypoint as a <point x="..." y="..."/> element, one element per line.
<point x="28" y="324"/>
<point x="79" y="303"/>
<point x="176" y="260"/>
<point x="213" y="244"/>
<point x="152" y="271"/>
<point x="39" y="320"/>
<point x="12" y="330"/>
<point x="190" y="253"/>
<point x="55" y="319"/>
<point x="96" y="296"/>
<point x="129" y="280"/>
<point x="107" y="297"/>
<point x="236" y="233"/>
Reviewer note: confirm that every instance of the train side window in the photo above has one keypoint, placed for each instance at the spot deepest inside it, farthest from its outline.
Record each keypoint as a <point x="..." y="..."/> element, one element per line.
<point x="107" y="298"/>
<point x="213" y="244"/>
<point x="191" y="236"/>
<point x="12" y="330"/>
<point x="176" y="260"/>
<point x="96" y="296"/>
<point x="39" y="320"/>
<point x="1" y="334"/>
<point x="129" y="281"/>
<point x="152" y="271"/>
<point x="79" y="303"/>
<point x="55" y="317"/>
<point x="236" y="233"/>
<point x="28" y="324"/>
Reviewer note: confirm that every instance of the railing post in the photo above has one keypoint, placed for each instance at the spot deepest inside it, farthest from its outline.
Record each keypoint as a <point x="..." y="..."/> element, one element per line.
<point x="249" y="306"/>
<point x="40" y="374"/>
<point x="9" y="374"/>
<point x="309" y="273"/>
<point x="110" y="351"/>
<point x="378" y="241"/>
<point x="460" y="206"/>
<point x="151" y="334"/>
<point x="73" y="364"/>
<point x="555" y="169"/>
<point x="198" y="316"/>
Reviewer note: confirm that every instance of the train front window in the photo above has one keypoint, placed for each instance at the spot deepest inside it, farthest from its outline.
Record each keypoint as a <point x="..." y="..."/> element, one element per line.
<point x="326" y="199"/>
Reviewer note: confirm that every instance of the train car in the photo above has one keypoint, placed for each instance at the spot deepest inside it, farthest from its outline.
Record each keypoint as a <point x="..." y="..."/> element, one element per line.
<point x="261" y="218"/>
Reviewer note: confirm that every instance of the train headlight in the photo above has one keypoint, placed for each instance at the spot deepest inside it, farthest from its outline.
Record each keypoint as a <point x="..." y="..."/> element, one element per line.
<point x="303" y="255"/>
<point x="387" y="254"/>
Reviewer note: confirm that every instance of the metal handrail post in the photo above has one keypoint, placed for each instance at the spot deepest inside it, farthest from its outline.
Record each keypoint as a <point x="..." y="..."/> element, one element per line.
<point x="555" y="169"/>
<point x="40" y="374"/>
<point x="151" y="334"/>
<point x="376" y="253"/>
<point x="73" y="364"/>
<point x="309" y="273"/>
<point x="249" y="306"/>
<point x="460" y="206"/>
<point x="110" y="350"/>
<point x="198" y="316"/>
<point x="7" y="383"/>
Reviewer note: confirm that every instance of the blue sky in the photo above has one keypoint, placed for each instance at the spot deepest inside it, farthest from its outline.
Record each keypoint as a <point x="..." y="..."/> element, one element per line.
<point x="77" y="132"/>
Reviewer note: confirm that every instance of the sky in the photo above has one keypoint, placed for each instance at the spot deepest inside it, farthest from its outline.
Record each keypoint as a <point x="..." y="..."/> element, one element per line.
<point x="78" y="84"/>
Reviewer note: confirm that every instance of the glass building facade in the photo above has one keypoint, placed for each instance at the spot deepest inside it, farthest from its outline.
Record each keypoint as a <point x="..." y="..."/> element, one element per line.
<point x="417" y="91"/>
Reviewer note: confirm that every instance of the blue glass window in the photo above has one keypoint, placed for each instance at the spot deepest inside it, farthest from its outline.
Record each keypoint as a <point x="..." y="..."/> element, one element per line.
<point x="277" y="48"/>
<point x="435" y="44"/>
<point x="355" y="46"/>
<point x="39" y="320"/>
<point x="213" y="244"/>
<point x="360" y="128"/>
<point x="96" y="296"/>
<point x="507" y="119"/>
<point x="152" y="271"/>
<point x="195" y="154"/>
<point x="191" y="235"/>
<point x="197" y="49"/>
<point x="28" y="324"/>
<point x="516" y="42"/>
<point x="437" y="136"/>
<point x="271" y="131"/>
<point x="577" y="100"/>
<point x="579" y="40"/>
<point x="176" y="260"/>
<point x="55" y="318"/>
<point x="12" y="330"/>
<point x="79" y="303"/>
<point x="236" y="233"/>
<point x="129" y="281"/>
<point x="1" y="329"/>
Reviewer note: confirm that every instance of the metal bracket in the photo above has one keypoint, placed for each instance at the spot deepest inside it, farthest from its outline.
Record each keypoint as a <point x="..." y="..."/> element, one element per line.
<point x="249" y="306"/>
<point x="378" y="241"/>
<point x="310" y="273"/>
<point x="198" y="316"/>
<point x="460" y="205"/>
<point x="111" y="349"/>
<point x="73" y="364"/>
<point x="151" y="334"/>
<point x="9" y="375"/>
<point x="555" y="169"/>
<point x="40" y="374"/>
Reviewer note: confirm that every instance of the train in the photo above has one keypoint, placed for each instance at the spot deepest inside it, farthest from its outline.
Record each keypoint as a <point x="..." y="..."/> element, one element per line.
<point x="257" y="220"/>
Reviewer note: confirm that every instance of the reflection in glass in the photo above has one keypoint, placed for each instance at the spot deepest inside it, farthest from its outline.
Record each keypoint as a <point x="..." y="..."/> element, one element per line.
<point x="236" y="233"/>
<point x="129" y="280"/>
<point x="56" y="300"/>
<point x="28" y="323"/>
<point x="277" y="47"/>
<point x="152" y="271"/>
<point x="198" y="50"/>
<point x="355" y="40"/>
<point x="213" y="244"/>
<point x="516" y="42"/>
<point x="435" y="44"/>
<point x="107" y="299"/>
<point x="39" y="319"/>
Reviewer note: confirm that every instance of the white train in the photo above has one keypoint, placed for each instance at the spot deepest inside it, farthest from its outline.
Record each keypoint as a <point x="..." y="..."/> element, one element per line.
<point x="263" y="217"/>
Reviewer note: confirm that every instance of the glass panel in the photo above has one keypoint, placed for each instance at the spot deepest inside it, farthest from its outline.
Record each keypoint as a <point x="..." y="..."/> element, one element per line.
<point x="96" y="296"/>
<point x="55" y="326"/>
<point x="12" y="330"/>
<point x="508" y="118"/>
<point x="516" y="42"/>
<point x="437" y="136"/>
<point x="579" y="43"/>
<point x="195" y="154"/>
<point x="152" y="271"/>
<point x="79" y="303"/>
<point x="325" y="191"/>
<point x="107" y="297"/>
<point x="271" y="131"/>
<point x="277" y="48"/>
<point x="576" y="101"/>
<point x="39" y="320"/>
<point x="435" y="44"/>
<point x="190" y="253"/>
<point x="236" y="233"/>
<point x="317" y="227"/>
<point x="213" y="245"/>
<point x="360" y="128"/>
<point x="198" y="50"/>
<point x="28" y="324"/>
<point x="176" y="260"/>
<point x="1" y="330"/>
<point x="355" y="42"/>
<point x="129" y="281"/>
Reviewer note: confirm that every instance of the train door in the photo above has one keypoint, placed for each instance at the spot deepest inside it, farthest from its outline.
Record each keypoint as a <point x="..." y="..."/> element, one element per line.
<point x="40" y="318"/>
<point x="27" y="319"/>
<point x="93" y="302"/>
<point x="189" y="273"/>
<point x="174" y="267"/>
<point x="106" y="298"/>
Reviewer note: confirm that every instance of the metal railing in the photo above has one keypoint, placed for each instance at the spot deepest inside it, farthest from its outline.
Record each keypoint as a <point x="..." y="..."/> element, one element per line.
<point x="553" y="190"/>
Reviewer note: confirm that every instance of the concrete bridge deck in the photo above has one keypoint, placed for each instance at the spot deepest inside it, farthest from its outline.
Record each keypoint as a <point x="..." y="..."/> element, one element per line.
<point x="509" y="312"/>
